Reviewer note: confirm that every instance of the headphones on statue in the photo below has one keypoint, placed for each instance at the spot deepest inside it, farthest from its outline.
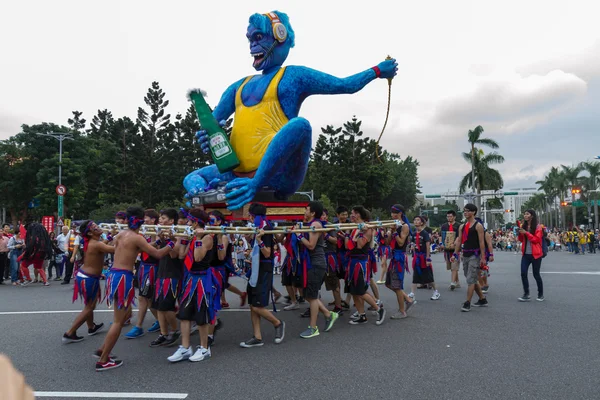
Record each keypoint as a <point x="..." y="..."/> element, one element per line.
<point x="279" y="30"/>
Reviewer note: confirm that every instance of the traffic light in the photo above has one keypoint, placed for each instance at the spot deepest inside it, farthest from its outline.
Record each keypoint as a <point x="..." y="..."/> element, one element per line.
<point x="563" y="203"/>
<point x="575" y="190"/>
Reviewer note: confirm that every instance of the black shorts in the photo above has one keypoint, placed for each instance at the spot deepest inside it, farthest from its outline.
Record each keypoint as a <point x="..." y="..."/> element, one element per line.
<point x="260" y="295"/>
<point x="332" y="282"/>
<point x="314" y="281"/>
<point x="286" y="278"/>
<point x="426" y="276"/>
<point x="190" y="312"/>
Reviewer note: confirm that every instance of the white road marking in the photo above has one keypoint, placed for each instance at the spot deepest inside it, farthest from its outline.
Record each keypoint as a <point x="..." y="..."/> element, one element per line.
<point x="113" y="395"/>
<point x="573" y="272"/>
<point x="96" y="311"/>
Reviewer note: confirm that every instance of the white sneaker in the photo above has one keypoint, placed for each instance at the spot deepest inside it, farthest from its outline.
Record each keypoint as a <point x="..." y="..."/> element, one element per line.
<point x="378" y="302"/>
<point x="436" y="295"/>
<point x="181" y="354"/>
<point x="293" y="306"/>
<point x="355" y="315"/>
<point x="193" y="328"/>
<point x="200" y="355"/>
<point x="411" y="295"/>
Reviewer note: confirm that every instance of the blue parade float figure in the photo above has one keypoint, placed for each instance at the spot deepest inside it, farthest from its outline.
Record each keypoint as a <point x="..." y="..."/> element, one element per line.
<point x="270" y="140"/>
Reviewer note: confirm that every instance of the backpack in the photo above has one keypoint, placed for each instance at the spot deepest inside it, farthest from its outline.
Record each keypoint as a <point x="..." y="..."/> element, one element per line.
<point x="545" y="241"/>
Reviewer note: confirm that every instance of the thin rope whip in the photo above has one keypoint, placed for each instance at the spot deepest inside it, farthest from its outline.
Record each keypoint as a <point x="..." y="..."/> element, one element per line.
<point x="387" y="114"/>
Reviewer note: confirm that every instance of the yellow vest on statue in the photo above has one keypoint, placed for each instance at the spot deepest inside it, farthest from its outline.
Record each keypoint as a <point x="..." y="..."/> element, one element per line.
<point x="254" y="127"/>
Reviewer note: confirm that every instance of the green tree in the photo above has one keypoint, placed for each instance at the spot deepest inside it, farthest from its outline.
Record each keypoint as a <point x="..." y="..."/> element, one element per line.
<point x="571" y="176"/>
<point x="474" y="138"/>
<point x="485" y="177"/>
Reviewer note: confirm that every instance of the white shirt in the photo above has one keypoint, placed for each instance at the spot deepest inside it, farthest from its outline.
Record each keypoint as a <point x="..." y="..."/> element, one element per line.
<point x="62" y="241"/>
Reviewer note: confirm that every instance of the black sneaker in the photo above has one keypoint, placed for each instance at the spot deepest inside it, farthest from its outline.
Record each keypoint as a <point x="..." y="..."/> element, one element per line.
<point x="306" y="314"/>
<point x="97" y="354"/>
<point x="540" y="298"/>
<point x="253" y="342"/>
<point x="380" y="315"/>
<point x="66" y="339"/>
<point x="466" y="307"/>
<point x="301" y="300"/>
<point x="345" y="305"/>
<point x="97" y="328"/>
<point x="525" y="297"/>
<point x="362" y="319"/>
<point x="219" y="325"/>
<point x="110" y="364"/>
<point x="280" y="332"/>
<point x="339" y="311"/>
<point x="481" y="303"/>
<point x="172" y="338"/>
<point x="160" y="341"/>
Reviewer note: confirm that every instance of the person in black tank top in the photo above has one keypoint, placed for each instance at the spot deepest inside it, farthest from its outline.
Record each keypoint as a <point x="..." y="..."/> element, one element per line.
<point x="359" y="243"/>
<point x="449" y="234"/>
<point x="168" y="283"/>
<point x="394" y="277"/>
<point x="200" y="297"/>
<point x="471" y="240"/>
<point x="224" y="261"/>
<point x="332" y="280"/>
<point x="262" y="271"/>
<point x="422" y="266"/>
<point x="316" y="269"/>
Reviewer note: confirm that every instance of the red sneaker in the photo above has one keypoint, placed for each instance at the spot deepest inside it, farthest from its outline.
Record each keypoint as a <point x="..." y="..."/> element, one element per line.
<point x="224" y="305"/>
<point x="110" y="364"/>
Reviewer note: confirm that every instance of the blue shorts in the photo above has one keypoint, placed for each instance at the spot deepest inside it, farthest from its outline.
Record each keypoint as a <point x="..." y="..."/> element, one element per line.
<point x="87" y="287"/>
<point x="119" y="288"/>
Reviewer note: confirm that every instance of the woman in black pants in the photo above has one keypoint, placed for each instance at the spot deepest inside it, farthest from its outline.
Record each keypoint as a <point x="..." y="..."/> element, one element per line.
<point x="531" y="236"/>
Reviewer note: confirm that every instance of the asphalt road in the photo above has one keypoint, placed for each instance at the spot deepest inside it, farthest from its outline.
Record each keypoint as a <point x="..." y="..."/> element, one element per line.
<point x="510" y="350"/>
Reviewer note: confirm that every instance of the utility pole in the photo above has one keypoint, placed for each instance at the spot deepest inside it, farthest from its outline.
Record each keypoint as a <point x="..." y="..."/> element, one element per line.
<point x="60" y="136"/>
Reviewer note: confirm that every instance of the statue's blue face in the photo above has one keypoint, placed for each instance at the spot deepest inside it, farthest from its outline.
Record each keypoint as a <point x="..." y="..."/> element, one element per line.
<point x="265" y="50"/>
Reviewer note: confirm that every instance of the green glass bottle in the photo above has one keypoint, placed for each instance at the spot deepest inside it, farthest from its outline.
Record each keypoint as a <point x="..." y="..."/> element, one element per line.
<point x="220" y="148"/>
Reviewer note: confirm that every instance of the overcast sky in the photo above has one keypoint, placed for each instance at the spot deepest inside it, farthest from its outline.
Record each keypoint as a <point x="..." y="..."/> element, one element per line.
<point x="527" y="71"/>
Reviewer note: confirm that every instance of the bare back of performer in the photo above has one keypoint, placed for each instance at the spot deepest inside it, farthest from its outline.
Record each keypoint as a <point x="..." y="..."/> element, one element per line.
<point x="119" y="285"/>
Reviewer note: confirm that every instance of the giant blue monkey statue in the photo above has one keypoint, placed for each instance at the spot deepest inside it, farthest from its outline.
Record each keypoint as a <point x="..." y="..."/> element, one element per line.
<point x="271" y="141"/>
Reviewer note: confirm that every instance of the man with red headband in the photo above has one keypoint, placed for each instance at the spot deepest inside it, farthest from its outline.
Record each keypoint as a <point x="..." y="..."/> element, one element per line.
<point x="119" y="284"/>
<point x="87" y="281"/>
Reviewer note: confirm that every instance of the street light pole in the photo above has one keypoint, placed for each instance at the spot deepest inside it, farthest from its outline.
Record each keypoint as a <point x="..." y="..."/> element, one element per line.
<point x="60" y="136"/>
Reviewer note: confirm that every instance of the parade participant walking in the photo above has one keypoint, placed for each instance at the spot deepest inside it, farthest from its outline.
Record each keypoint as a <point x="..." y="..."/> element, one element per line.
<point x="38" y="247"/>
<point x="394" y="279"/>
<point x="87" y="281"/>
<point x="261" y="279"/>
<point x="70" y="254"/>
<point x="119" y="284"/>
<point x="332" y="281"/>
<point x="224" y="262"/>
<point x="449" y="234"/>
<point x="200" y="298"/>
<point x="315" y="269"/>
<point x="169" y="277"/>
<point x="15" y="245"/>
<point x="531" y="236"/>
<point x="342" y="252"/>
<point x="147" y="279"/>
<point x="422" y="267"/>
<point x="358" y="242"/>
<point x="384" y="251"/>
<point x="471" y="239"/>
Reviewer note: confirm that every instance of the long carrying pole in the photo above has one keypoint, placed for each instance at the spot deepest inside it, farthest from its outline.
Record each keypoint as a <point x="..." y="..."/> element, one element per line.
<point x="186" y="230"/>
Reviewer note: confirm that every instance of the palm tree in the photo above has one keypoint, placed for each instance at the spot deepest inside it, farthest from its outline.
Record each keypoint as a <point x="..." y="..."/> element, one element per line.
<point x="476" y="139"/>
<point x="554" y="186"/>
<point x="571" y="176"/>
<point x="485" y="178"/>
<point x="592" y="183"/>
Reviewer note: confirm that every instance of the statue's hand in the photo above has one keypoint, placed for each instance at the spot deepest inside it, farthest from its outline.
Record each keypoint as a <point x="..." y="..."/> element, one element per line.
<point x="241" y="192"/>
<point x="202" y="137"/>
<point x="388" y="68"/>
